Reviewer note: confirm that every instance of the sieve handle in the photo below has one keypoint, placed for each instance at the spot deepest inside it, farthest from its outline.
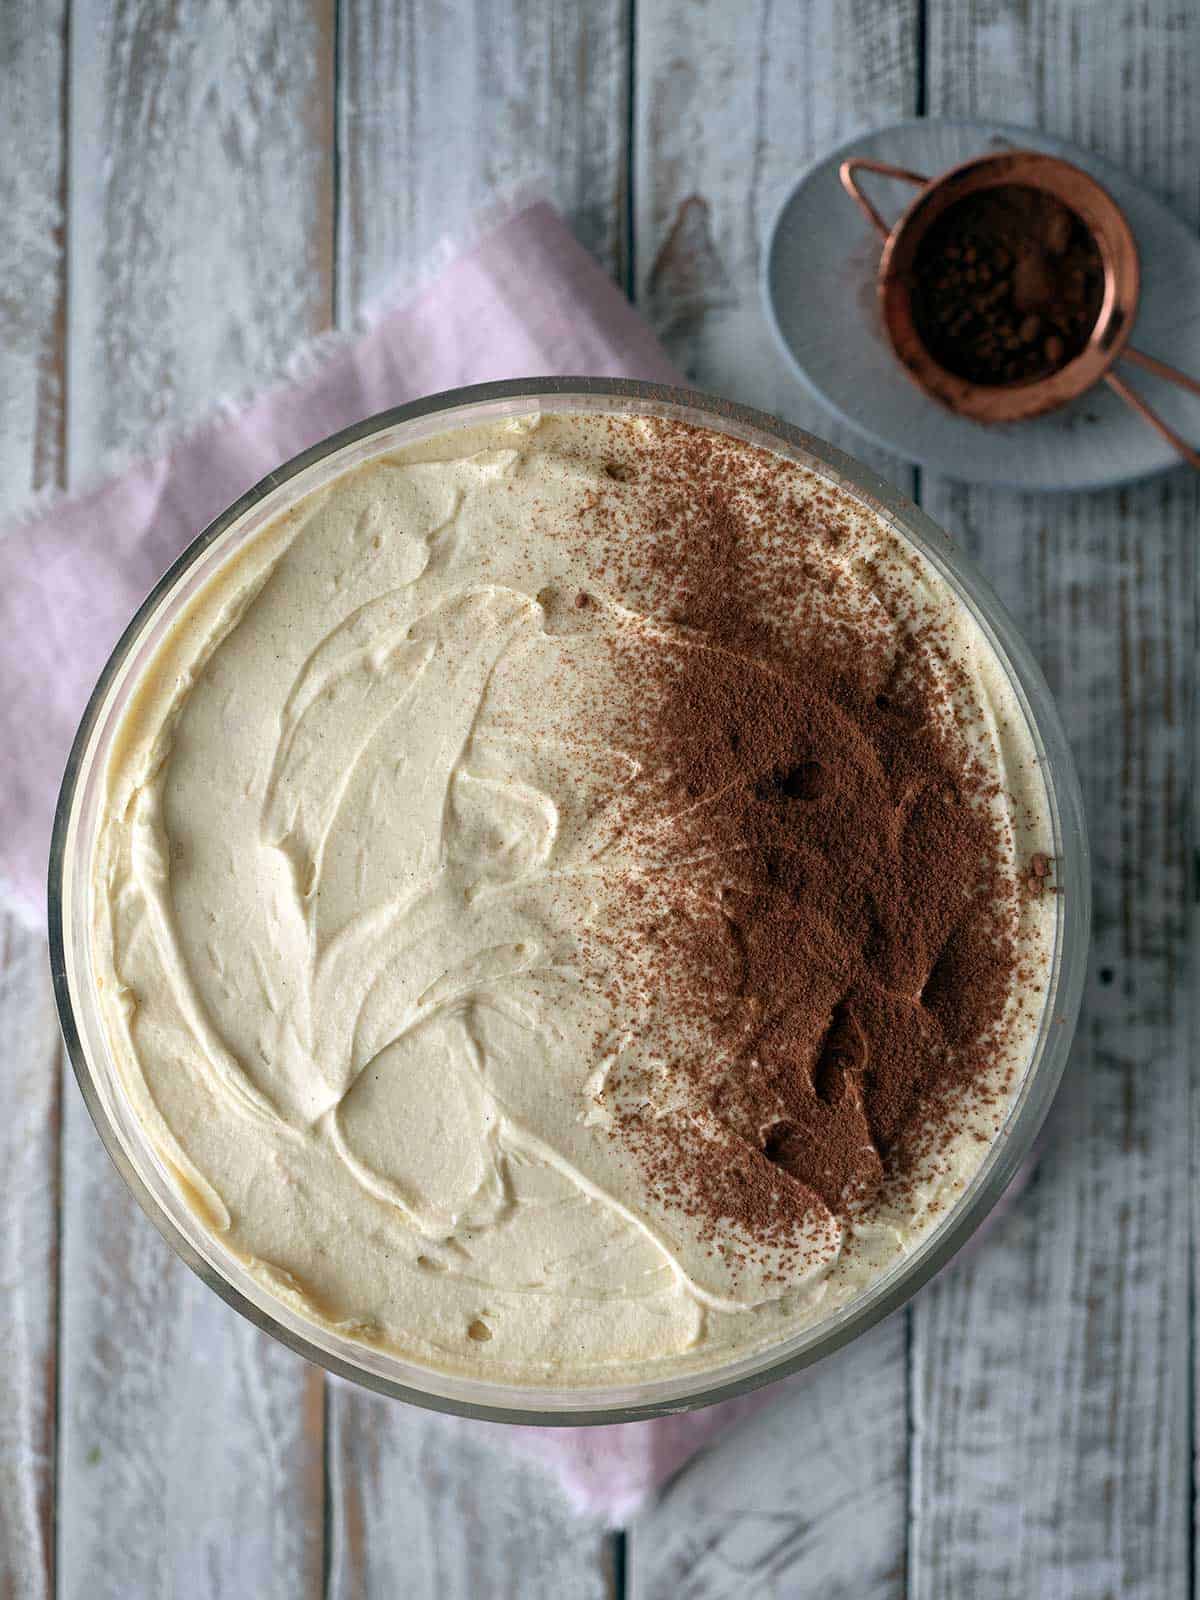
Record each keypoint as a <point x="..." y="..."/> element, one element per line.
<point x="847" y="171"/>
<point x="1158" y="369"/>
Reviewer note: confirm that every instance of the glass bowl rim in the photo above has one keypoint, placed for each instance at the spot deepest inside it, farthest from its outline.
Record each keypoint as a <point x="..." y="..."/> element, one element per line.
<point x="547" y="1406"/>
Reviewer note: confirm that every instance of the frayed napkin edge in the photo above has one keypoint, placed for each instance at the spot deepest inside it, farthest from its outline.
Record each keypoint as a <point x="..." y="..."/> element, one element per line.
<point x="303" y="366"/>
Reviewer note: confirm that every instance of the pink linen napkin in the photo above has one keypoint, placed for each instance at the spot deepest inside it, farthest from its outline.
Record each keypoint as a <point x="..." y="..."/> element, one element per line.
<point x="611" y="1471"/>
<point x="526" y="300"/>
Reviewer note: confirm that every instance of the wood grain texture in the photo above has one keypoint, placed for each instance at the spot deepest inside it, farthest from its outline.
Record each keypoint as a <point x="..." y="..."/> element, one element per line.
<point x="433" y="1506"/>
<point x="805" y="1498"/>
<point x="32" y="171"/>
<point x="1051" y="1376"/>
<point x="32" y="283"/>
<point x="200" y="230"/>
<point x="29" y="1086"/>
<point x="731" y="105"/>
<point x="441" y="108"/>
<point x="201" y="194"/>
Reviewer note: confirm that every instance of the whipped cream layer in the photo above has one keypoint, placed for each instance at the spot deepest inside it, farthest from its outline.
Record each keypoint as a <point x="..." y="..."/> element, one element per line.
<point x="366" y="848"/>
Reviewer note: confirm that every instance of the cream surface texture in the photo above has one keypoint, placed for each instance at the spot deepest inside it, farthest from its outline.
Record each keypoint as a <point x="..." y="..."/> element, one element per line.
<point x="363" y="806"/>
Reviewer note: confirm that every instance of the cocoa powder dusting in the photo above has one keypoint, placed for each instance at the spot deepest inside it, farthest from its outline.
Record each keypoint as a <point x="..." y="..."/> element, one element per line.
<point x="1007" y="286"/>
<point x="837" y="953"/>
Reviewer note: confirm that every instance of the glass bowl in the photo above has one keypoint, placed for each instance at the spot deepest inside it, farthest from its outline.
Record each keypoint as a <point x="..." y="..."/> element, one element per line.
<point x="69" y="910"/>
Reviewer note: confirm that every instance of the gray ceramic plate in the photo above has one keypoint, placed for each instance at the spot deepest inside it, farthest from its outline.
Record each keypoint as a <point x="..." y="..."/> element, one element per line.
<point x="819" y="281"/>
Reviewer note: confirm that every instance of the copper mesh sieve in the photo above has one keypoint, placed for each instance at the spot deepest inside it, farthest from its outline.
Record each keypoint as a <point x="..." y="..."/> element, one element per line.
<point x="1109" y="338"/>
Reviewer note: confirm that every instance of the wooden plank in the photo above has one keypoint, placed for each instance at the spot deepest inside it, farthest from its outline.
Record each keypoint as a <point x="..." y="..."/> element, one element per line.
<point x="32" y="170"/>
<point x="200" y="232"/>
<point x="445" y="109"/>
<point x="432" y="1506"/>
<point x="201" y="199"/>
<point x="442" y="109"/>
<point x="1051" y="1376"/>
<point x="29" y="1082"/>
<point x="730" y="110"/>
<point x="807" y="1497"/>
<point x="731" y="106"/>
<point x="32" y="176"/>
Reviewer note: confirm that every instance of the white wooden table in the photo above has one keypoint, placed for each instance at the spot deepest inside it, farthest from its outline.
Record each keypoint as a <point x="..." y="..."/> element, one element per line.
<point x="188" y="189"/>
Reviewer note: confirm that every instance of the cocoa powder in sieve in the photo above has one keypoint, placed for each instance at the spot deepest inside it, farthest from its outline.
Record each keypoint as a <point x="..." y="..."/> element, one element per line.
<point x="1007" y="286"/>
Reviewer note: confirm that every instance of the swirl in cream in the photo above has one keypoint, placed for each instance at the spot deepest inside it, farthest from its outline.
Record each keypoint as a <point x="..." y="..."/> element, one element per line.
<point x="368" y="824"/>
